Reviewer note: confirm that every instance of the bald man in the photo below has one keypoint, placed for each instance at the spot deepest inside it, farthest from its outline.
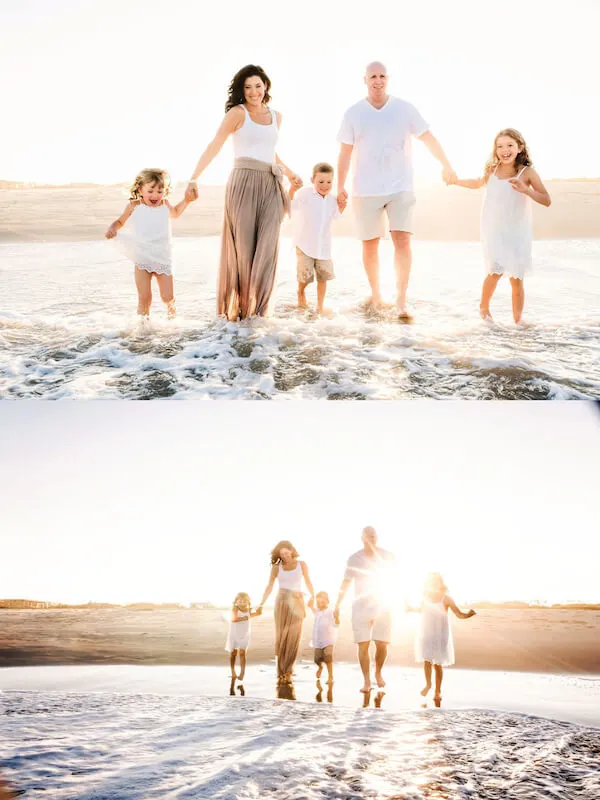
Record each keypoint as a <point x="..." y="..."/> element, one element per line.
<point x="372" y="571"/>
<point x="375" y="136"/>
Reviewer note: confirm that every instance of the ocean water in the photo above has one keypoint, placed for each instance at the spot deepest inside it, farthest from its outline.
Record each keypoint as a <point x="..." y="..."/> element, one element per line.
<point x="68" y="329"/>
<point x="125" y="739"/>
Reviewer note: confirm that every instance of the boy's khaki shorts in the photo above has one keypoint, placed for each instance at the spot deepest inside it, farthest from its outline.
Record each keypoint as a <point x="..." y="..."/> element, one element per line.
<point x="308" y="267"/>
<point x="324" y="655"/>
<point x="370" y="213"/>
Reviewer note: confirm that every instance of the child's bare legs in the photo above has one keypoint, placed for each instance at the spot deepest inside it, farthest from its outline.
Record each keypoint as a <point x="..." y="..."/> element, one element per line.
<point x="242" y="664"/>
<point x="302" y="302"/>
<point x="232" y="659"/>
<point x="439" y="674"/>
<point x="329" y="665"/>
<point x="143" y="283"/>
<point x="319" y="669"/>
<point x="518" y="298"/>
<point x="427" y="671"/>
<point x="165" y="284"/>
<point x="489" y="287"/>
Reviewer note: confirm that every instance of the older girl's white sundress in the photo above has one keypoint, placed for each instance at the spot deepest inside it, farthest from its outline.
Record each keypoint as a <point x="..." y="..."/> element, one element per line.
<point x="238" y="637"/>
<point x="434" y="640"/>
<point x="146" y="239"/>
<point x="506" y="230"/>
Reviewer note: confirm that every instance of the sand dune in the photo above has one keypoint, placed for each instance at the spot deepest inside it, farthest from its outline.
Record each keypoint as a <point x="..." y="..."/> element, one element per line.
<point x="443" y="213"/>
<point x="536" y="640"/>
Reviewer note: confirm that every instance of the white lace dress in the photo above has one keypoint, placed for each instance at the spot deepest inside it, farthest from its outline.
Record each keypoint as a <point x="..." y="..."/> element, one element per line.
<point x="146" y="239"/>
<point x="506" y="230"/>
<point x="238" y="637"/>
<point x="434" y="640"/>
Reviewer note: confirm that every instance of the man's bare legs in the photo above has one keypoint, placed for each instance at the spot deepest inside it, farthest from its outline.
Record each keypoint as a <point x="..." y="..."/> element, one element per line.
<point x="381" y="649"/>
<point x="365" y="664"/>
<point x="487" y="290"/>
<point x="371" y="264"/>
<point x="321" y="292"/>
<point x="439" y="674"/>
<point x="427" y="670"/>
<point x="518" y="298"/>
<point x="402" y="265"/>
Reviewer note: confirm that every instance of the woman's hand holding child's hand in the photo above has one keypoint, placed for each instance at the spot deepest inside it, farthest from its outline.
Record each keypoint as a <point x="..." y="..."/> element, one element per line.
<point x="111" y="232"/>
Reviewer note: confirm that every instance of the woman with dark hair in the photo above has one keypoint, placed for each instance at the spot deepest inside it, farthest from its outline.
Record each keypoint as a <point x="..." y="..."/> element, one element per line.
<point x="290" y="611"/>
<point x="255" y="200"/>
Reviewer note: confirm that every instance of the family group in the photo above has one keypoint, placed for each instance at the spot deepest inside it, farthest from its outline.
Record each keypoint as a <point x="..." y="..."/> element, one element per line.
<point x="375" y="140"/>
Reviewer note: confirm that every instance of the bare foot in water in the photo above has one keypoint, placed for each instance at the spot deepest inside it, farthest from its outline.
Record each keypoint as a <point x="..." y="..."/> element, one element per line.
<point x="302" y="303"/>
<point x="426" y="690"/>
<point x="379" y="680"/>
<point x="325" y="312"/>
<point x="437" y="700"/>
<point x="366" y="687"/>
<point x="485" y="315"/>
<point x="404" y="316"/>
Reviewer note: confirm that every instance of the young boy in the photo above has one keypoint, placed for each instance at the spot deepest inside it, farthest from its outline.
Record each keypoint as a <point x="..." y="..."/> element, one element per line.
<point x="323" y="636"/>
<point x="313" y="210"/>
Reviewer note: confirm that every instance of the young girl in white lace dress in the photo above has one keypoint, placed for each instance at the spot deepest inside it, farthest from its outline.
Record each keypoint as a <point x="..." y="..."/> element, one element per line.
<point x="147" y="240"/>
<point x="238" y="637"/>
<point x="434" y="646"/>
<point x="511" y="183"/>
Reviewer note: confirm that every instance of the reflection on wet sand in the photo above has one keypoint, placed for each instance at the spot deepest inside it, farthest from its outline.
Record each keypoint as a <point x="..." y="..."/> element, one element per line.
<point x="319" y="695"/>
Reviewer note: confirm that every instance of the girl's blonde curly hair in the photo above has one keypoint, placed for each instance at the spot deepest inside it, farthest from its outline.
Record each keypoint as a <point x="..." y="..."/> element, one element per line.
<point x="158" y="176"/>
<point x="523" y="158"/>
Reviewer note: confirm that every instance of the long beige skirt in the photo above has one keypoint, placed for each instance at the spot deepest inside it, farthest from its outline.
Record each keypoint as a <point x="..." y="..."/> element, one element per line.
<point x="289" y="616"/>
<point x="255" y="204"/>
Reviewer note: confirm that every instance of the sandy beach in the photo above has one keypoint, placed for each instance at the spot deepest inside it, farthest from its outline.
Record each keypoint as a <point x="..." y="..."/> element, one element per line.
<point x="528" y="640"/>
<point x="442" y="213"/>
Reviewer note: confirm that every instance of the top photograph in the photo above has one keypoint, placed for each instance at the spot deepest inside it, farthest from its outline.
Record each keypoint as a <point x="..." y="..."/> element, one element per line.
<point x="217" y="204"/>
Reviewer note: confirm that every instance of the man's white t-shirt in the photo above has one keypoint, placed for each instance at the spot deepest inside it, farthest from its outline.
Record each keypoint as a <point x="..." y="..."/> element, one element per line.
<point x="373" y="577"/>
<point x="381" y="138"/>
<point x="312" y="215"/>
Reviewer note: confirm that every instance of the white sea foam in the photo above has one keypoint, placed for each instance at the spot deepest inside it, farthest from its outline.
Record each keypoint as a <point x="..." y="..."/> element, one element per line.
<point x="124" y="739"/>
<point x="68" y="329"/>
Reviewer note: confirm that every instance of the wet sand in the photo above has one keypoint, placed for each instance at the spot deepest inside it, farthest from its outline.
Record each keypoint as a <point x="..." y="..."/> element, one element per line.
<point x="527" y="640"/>
<point x="442" y="213"/>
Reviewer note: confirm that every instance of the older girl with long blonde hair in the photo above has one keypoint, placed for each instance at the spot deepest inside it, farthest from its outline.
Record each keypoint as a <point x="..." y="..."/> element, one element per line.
<point x="506" y="232"/>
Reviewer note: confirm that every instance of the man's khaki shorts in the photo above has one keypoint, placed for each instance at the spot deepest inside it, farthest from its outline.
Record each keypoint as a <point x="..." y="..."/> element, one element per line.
<point x="324" y="655"/>
<point x="309" y="267"/>
<point x="370" y="213"/>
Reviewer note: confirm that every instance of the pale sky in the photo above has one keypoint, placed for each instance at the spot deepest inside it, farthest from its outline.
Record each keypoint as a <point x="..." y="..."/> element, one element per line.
<point x="96" y="90"/>
<point x="183" y="502"/>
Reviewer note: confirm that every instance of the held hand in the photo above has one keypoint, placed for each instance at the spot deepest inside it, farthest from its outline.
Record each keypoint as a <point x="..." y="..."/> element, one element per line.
<point x="342" y="196"/>
<point x="111" y="232"/>
<point x="191" y="192"/>
<point x="519" y="186"/>
<point x="296" y="181"/>
<point x="258" y="611"/>
<point x="472" y="613"/>
<point x="449" y="176"/>
<point x="336" y="616"/>
<point x="342" y="203"/>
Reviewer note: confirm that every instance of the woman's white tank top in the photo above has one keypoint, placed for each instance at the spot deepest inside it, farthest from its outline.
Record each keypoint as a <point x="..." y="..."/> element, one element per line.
<point x="256" y="141"/>
<point x="290" y="579"/>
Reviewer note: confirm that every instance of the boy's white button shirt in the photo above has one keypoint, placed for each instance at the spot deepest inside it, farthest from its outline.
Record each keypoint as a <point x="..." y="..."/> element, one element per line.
<point x="323" y="629"/>
<point x="312" y="215"/>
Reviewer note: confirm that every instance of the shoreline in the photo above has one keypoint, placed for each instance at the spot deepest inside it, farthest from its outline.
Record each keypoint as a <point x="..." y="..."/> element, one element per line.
<point x="442" y="214"/>
<point x="514" y="640"/>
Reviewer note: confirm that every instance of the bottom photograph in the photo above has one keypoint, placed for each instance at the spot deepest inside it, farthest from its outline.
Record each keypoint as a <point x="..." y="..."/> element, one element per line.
<point x="300" y="600"/>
